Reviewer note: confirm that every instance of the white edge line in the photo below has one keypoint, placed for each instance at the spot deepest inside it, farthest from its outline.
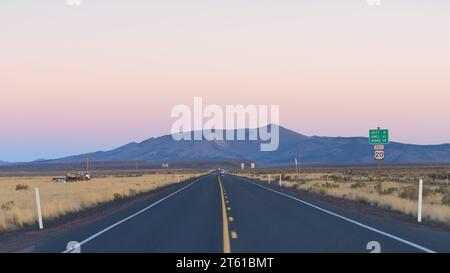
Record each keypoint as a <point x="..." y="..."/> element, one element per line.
<point x="346" y="219"/>
<point x="129" y="217"/>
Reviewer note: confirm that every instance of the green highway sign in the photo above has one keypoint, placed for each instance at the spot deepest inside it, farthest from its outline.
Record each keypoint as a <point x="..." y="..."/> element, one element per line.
<point x="378" y="137"/>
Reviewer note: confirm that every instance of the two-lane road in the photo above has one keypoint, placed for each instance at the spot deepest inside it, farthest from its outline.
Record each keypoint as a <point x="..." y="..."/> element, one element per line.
<point x="232" y="214"/>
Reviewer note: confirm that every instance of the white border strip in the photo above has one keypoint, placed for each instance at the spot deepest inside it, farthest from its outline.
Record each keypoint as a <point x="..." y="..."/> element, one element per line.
<point x="424" y="249"/>
<point x="129" y="217"/>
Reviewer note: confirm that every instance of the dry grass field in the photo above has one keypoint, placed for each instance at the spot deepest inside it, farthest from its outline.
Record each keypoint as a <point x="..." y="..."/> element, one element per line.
<point x="399" y="190"/>
<point x="17" y="195"/>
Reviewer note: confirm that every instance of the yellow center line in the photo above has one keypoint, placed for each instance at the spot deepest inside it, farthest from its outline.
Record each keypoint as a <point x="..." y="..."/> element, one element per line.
<point x="226" y="232"/>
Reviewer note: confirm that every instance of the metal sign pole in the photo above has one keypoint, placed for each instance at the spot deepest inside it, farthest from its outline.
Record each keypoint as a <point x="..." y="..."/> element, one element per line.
<point x="379" y="166"/>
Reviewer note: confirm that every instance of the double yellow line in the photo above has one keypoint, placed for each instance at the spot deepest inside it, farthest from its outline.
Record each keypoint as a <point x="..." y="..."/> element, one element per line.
<point x="226" y="231"/>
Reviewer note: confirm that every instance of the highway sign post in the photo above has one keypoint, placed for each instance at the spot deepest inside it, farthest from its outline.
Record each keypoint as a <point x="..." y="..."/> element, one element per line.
<point x="378" y="138"/>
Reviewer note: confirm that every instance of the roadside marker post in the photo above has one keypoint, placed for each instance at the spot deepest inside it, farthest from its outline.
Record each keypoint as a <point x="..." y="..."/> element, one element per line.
<point x="38" y="206"/>
<point x="178" y="178"/>
<point x="166" y="166"/>
<point x="419" y="205"/>
<point x="269" y="179"/>
<point x="280" y="180"/>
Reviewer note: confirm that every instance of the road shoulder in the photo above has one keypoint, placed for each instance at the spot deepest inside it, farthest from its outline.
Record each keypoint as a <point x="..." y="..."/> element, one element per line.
<point x="23" y="239"/>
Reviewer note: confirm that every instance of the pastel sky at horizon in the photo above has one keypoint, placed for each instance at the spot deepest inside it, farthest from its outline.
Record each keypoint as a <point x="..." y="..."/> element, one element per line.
<point x="77" y="79"/>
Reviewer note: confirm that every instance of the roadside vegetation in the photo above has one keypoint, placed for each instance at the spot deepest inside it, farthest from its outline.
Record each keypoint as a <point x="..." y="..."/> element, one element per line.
<point x="17" y="197"/>
<point x="399" y="189"/>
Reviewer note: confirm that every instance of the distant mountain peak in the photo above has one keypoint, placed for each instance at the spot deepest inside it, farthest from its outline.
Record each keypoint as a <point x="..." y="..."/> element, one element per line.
<point x="312" y="149"/>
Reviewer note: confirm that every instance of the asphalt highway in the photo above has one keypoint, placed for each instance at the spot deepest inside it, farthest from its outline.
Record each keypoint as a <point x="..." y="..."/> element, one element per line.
<point x="226" y="213"/>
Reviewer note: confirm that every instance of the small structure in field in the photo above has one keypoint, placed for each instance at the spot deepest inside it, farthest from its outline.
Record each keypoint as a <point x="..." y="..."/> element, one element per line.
<point x="73" y="177"/>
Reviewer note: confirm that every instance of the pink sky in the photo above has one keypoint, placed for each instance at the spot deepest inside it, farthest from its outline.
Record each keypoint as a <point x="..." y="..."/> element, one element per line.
<point x="79" y="79"/>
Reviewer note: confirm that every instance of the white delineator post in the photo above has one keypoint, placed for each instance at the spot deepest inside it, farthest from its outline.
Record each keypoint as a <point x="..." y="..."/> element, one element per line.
<point x="178" y="178"/>
<point x="419" y="205"/>
<point x="280" y="180"/>
<point x="269" y="178"/>
<point x="38" y="206"/>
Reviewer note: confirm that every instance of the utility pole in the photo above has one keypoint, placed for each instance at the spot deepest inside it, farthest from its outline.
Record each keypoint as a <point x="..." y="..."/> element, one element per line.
<point x="297" y="161"/>
<point x="88" y="164"/>
<point x="136" y="160"/>
<point x="296" y="165"/>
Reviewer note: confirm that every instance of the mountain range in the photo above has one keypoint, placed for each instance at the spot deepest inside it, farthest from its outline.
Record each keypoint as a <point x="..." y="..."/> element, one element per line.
<point x="311" y="150"/>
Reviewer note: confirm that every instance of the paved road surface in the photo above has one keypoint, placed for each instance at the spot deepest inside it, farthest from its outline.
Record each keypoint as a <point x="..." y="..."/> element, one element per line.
<point x="231" y="214"/>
